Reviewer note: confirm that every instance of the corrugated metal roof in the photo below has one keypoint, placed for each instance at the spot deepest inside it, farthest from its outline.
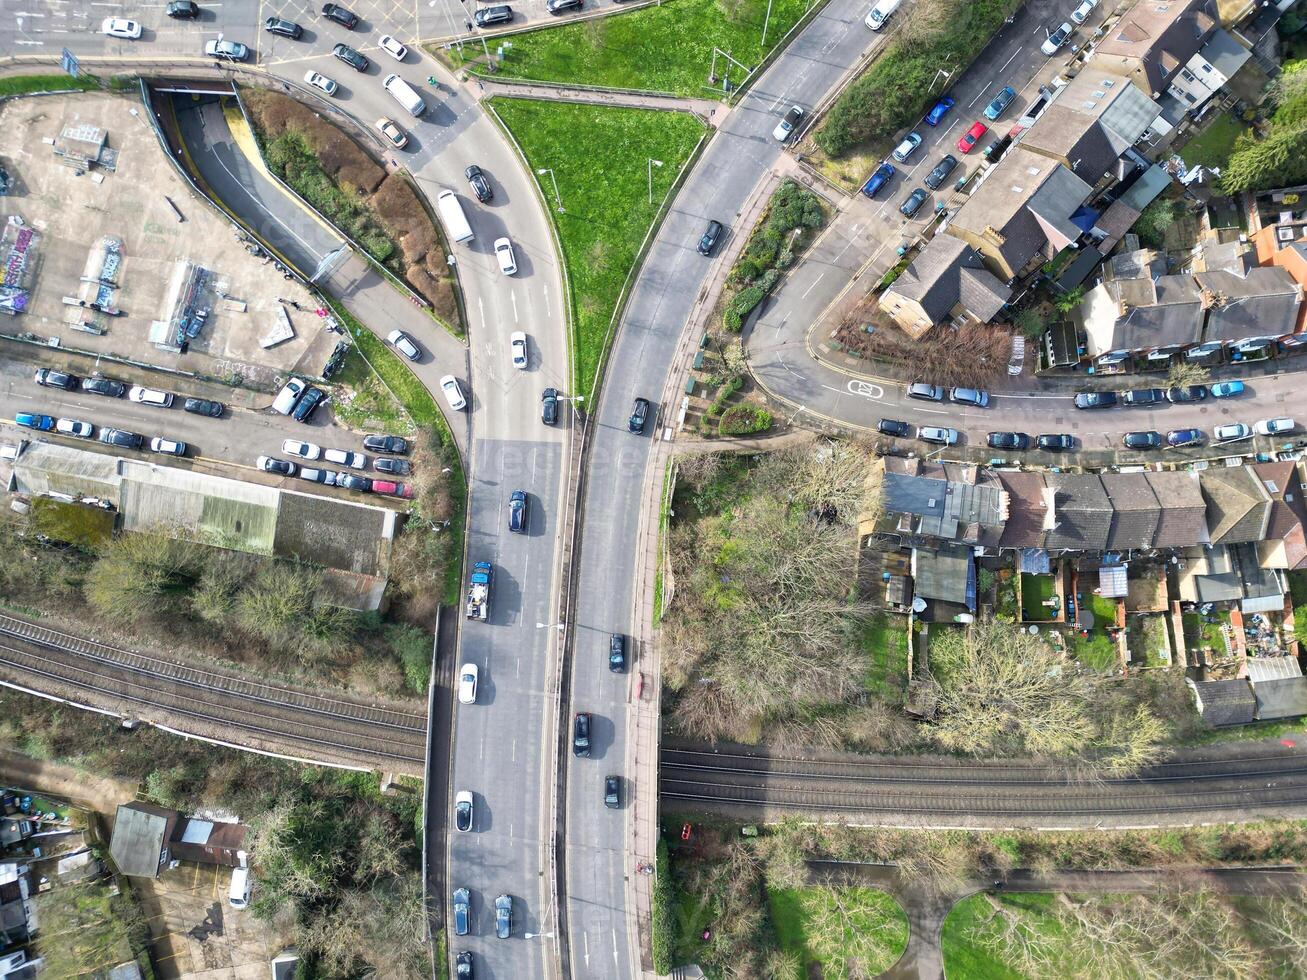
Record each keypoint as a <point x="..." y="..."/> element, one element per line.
<point x="1112" y="582"/>
<point x="1272" y="668"/>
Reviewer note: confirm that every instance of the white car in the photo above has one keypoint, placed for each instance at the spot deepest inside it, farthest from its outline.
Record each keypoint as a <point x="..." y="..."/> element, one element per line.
<point x="463" y="811"/>
<point x="393" y="47"/>
<point x="788" y="122"/>
<point x="1231" y="432"/>
<point x="453" y="392"/>
<point x="937" y="434"/>
<point x="517" y="344"/>
<point x="72" y="427"/>
<point x="1274" y="427"/>
<point x="1053" y="43"/>
<point x="504" y="253"/>
<point x="1081" y="13"/>
<point x="128" y="30"/>
<point x="320" y="81"/>
<point x="150" y="396"/>
<point x="346" y="457"/>
<point x="404" y="344"/>
<point x="304" y="450"/>
<point x="467" y="684"/>
<point x="167" y="447"/>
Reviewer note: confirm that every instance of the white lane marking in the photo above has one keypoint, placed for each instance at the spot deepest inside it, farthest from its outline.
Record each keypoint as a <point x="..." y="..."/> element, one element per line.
<point x="481" y="309"/>
<point x="1009" y="61"/>
<point x="38" y="43"/>
<point x="513" y="297"/>
<point x="852" y="236"/>
<point x="585" y="936"/>
<point x="866" y="389"/>
<point x="514" y="752"/>
<point x="546" y="302"/>
<point x="805" y="293"/>
<point x="976" y="96"/>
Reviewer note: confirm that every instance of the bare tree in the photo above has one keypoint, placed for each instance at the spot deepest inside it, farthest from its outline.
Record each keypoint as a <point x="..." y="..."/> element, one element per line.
<point x="1186" y="373"/>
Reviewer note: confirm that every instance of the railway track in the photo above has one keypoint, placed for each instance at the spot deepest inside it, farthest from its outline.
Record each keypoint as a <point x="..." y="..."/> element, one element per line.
<point x="211" y="703"/>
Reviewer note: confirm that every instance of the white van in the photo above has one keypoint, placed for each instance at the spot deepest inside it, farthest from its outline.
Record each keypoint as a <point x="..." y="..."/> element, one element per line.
<point x="288" y="397"/>
<point x="239" y="895"/>
<point x="451" y="213"/>
<point x="879" y="13"/>
<point x="404" y="94"/>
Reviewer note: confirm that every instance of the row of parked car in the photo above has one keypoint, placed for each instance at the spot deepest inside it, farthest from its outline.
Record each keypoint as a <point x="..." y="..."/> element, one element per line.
<point x="1142" y="439"/>
<point x="309" y="452"/>
<point x="1158" y="397"/>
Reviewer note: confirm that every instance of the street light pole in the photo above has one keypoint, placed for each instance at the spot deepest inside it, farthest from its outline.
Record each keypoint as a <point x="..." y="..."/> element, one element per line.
<point x="652" y="163"/>
<point x="765" y="21"/>
<point x="557" y="198"/>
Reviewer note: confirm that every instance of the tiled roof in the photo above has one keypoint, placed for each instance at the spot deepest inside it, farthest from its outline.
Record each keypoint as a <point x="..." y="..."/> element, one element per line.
<point x="1082" y="513"/>
<point x="1135" y="510"/>
<point x="1283" y="698"/>
<point x="1224" y="702"/>
<point x="1263" y="302"/>
<point x="1238" y="506"/>
<point x="1182" y="518"/>
<point x="1027" y="509"/>
<point x="948" y="271"/>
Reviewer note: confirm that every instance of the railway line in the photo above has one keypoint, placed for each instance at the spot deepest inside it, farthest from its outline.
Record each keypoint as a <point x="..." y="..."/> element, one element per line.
<point x="211" y="703"/>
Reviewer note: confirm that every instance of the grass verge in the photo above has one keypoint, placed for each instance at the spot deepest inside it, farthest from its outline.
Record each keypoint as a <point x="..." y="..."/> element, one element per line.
<point x="605" y="197"/>
<point x="664" y="48"/>
<point x="838" y="933"/>
<point x="27" y="84"/>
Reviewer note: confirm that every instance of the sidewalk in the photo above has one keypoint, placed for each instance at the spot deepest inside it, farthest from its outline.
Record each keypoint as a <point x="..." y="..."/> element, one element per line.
<point x="705" y="109"/>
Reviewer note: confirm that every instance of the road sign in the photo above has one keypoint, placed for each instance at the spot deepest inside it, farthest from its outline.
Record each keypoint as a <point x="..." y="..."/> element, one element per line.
<point x="68" y="62"/>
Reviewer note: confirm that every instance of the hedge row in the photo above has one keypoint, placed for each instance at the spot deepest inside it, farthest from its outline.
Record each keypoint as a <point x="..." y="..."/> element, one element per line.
<point x="664" y="914"/>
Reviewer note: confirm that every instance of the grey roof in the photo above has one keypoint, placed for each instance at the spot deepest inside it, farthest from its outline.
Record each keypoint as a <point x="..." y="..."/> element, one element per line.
<point x="1135" y="510"/>
<point x="942" y="573"/>
<point x="1223" y="702"/>
<point x="1272" y="668"/>
<point x="1075" y="138"/>
<point x="139" y="834"/>
<point x="1284" y="698"/>
<point x="1216" y="256"/>
<point x="1262" y="589"/>
<point x="1238" y="506"/>
<point x="1053" y="204"/>
<point x="947" y="272"/>
<point x="1147" y="188"/>
<point x="1157" y="312"/>
<point x="1142" y="263"/>
<point x="1224" y="53"/>
<point x="1159" y="37"/>
<point x="1182" y="518"/>
<point x="1221" y="582"/>
<point x="1082" y="513"/>
<point x="1263" y="302"/>
<point x="947" y="508"/>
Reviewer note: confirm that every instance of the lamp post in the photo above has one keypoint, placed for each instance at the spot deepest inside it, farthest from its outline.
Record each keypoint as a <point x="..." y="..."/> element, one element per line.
<point x="548" y="170"/>
<point x="652" y="163"/>
<point x="765" y="21"/>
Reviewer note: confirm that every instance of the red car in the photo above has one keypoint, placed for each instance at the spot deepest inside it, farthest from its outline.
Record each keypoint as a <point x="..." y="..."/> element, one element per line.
<point x="392" y="489"/>
<point x="972" y="136"/>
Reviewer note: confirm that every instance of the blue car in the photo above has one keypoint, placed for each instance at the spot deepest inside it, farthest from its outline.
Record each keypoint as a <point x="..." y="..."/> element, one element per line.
<point x="1227" y="389"/>
<point x="42" y="423"/>
<point x="939" y="111"/>
<point x="878" y="180"/>
<point x="1000" y="102"/>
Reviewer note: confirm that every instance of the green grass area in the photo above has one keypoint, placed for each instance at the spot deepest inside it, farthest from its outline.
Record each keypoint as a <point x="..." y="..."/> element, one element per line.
<point x="1212" y="147"/>
<point x="1097" y="650"/>
<point x="1104" y="610"/>
<point x="1035" y="591"/>
<point x="370" y="405"/>
<point x="839" y="933"/>
<point x="1199" y="633"/>
<point x="664" y="48"/>
<point x="82" y="525"/>
<point x="605" y="196"/>
<point x="26" y="84"/>
<point x="1147" y="641"/>
<point x="885" y="641"/>
<point x="972" y="919"/>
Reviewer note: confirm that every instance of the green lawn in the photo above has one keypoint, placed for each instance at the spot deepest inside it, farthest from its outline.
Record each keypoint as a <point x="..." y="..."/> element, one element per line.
<point x="1104" y="610"/>
<point x="371" y="405"/>
<point x="664" y="48"/>
<point x="970" y="922"/>
<point x="1035" y="591"/>
<point x="845" y="932"/>
<point x="605" y="196"/>
<point x="1147" y="641"/>
<point x="885" y="641"/>
<point x="1212" y="146"/>
<point x="24" y="84"/>
<point x="1097" y="650"/>
<point x="1198" y="633"/>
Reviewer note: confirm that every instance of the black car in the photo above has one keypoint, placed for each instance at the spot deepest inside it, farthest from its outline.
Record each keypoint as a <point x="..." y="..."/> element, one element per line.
<point x="941" y="171"/>
<point x="997" y="148"/>
<point x="480" y="186"/>
<point x="351" y="482"/>
<point x="639" y="415"/>
<point x="343" y="17"/>
<point x="709" y="240"/>
<point x="104" y="386"/>
<point x="50" y="378"/>
<point x="1141" y="440"/>
<point x="463" y="966"/>
<point x="893" y="427"/>
<point x="581" y="734"/>
<point x="617" y="653"/>
<point x="351" y="57"/>
<point x="1096" y="399"/>
<point x="286" y="28"/>
<point x="1055" y="442"/>
<point x="489" y="16"/>
<point x="395" y="467"/>
<point x="1008" y="440"/>
<point x="612" y="792"/>
<point x="271" y="464"/>
<point x="1192" y="393"/>
<point x="183" y="9"/>
<point x="308" y="404"/>
<point x="518" y="514"/>
<point x="203" y="406"/>
<point x="386" y="444"/>
<point x="1143" y="397"/>
<point x="121" y="438"/>
<point x="561" y="6"/>
<point x="1179" y="438"/>
<point x="504" y="916"/>
<point x="549" y="406"/>
<point x="914" y="202"/>
<point x="462" y="902"/>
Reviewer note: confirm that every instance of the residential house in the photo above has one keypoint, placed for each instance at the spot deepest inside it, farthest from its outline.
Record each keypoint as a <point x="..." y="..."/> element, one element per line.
<point x="1242" y="305"/>
<point x="944" y="502"/>
<point x="1155" y="40"/>
<point x="1121" y="317"/>
<point x="1082" y="513"/>
<point x="1208" y="70"/>
<point x="1137" y="192"/>
<point x="944" y="581"/>
<point x="1218" y="573"/>
<point x="947" y="281"/>
<point x="1135" y="511"/>
<point x="1182" y="519"/>
<point x="1238" y="505"/>
<point x="1029" y="510"/>
<point x="1285" y="246"/>
<point x="1222" y="703"/>
<point x="1285" y="543"/>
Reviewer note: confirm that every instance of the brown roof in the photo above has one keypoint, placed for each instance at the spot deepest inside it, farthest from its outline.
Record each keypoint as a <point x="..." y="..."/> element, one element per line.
<point x="1288" y="519"/>
<point x="1238" y="506"/>
<point x="1027" y="510"/>
<point x="1183" y="516"/>
<point x="1160" y="35"/>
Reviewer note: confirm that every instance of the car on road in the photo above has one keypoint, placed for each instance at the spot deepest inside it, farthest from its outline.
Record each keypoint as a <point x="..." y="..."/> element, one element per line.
<point x="518" y="512"/>
<point x="925" y="392"/>
<point x="968" y="140"/>
<point x="467" y="684"/>
<point x="352" y="481"/>
<point x="393" y="467"/>
<point x="1143" y="439"/>
<point x="1055" y="442"/>
<point x="504" y="253"/>
<point x="1274" y="427"/>
<point x="893" y="427"/>
<point x="1178" y="438"/>
<point x="1053" y="43"/>
<point x="462" y="900"/>
<point x="504" y="916"/>
<point x="284" y="27"/>
<point x="203" y="406"/>
<point x="346" y="457"/>
<point x="490" y="16"/>
<point x="31" y="420"/>
<point x="785" y="128"/>
<point x="271" y="464"/>
<point x="403" y="343"/>
<point x="398" y="138"/>
<point x="710" y="236"/>
<point x="345" y="18"/>
<point x="392" y="47"/>
<point x="386" y="444"/>
<point x="1231" y="432"/>
<point x="969" y="396"/>
<point x="1227" y="389"/>
<point x="517" y="349"/>
<point x="939" y="110"/>
<point x="907" y="147"/>
<point x="1008" y="440"/>
<point x="562" y="6"/>
<point x="121" y="438"/>
<point x="121" y="27"/>
<point x="1082" y="12"/>
<point x="881" y="176"/>
<point x="639" y="415"/>
<point x="581" y="734"/>
<point x="453" y="392"/>
<point x="50" y="378"/>
<point x="226" y="50"/>
<point x="937" y="434"/>
<point x="325" y="477"/>
<point x="75" y="427"/>
<point x="549" y="406"/>
<point x="913" y="203"/>
<point x="1186" y="393"/>
<point x="1095" y="399"/>
<point x="308" y="404"/>
<point x="301" y="450"/>
<point x="104" y="386"/>
<point x="320" y="81"/>
<point x="345" y="53"/>
<point x="1000" y="102"/>
<point x="463" y="811"/>
<point x="463" y="966"/>
<point x="150" y="396"/>
<point x="183" y="9"/>
<point x="476" y="179"/>
<point x="167" y="447"/>
<point x="617" y="653"/>
<point x="941" y="171"/>
<point x="1143" y="397"/>
<point x="613" y="792"/>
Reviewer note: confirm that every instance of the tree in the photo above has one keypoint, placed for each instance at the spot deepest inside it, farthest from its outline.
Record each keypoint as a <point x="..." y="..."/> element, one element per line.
<point x="1183" y="374"/>
<point x="1029" y="322"/>
<point x="1277" y="160"/>
<point x="1157" y="217"/>
<point x="141" y="573"/>
<point x="1069" y="300"/>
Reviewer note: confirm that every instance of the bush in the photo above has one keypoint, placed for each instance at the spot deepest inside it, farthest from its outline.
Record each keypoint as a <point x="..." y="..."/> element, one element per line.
<point x="664" y="919"/>
<point x="741" y="305"/>
<point x="743" y="420"/>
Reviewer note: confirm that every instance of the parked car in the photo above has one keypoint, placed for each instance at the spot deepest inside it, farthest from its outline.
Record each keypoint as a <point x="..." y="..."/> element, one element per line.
<point x="878" y="179"/>
<point x="398" y="138"/>
<point x="1187" y="393"/>
<point x="549" y="406"/>
<point x="907" y="147"/>
<point x="1274" y="427"/>
<point x="183" y="9"/>
<point x="352" y="481"/>
<point x="343" y="17"/>
<point x="913" y="203"/>
<point x="1082" y="12"/>
<point x="893" y="427"/>
<point x="1095" y="399"/>
<point x="968" y="140"/>
<point x="581" y="734"/>
<point x="462" y="901"/>
<point x="345" y="53"/>
<point x="453" y="392"/>
<point x="709" y="240"/>
<point x="1143" y="397"/>
<point x="202" y="406"/>
<point x="969" y="396"/>
<point x="490" y="16"/>
<point x="392" y="47"/>
<point x="50" y="378"/>
<point x="394" y="467"/>
<point x="639" y="415"/>
<point x="308" y="404"/>
<point x="939" y="110"/>
<point x="286" y="28"/>
<point x="562" y="6"/>
<point x="518" y="512"/>
<point x="325" y="477"/>
<point x="1055" y="442"/>
<point x="41" y="423"/>
<point x="1000" y="102"/>
<point x="226" y="50"/>
<point x="613" y="792"/>
<point x="994" y="152"/>
<point x="1008" y="440"/>
<point x="517" y="349"/>
<point x="1145" y="439"/>
<point x="120" y="438"/>
<point x="1227" y="389"/>
<point x="937" y="434"/>
<point x="279" y="467"/>
<point x="504" y="253"/>
<point x="476" y="179"/>
<point x="346" y="457"/>
<point x="104" y="386"/>
<point x="388" y="488"/>
<point x="1231" y="432"/>
<point x="320" y="81"/>
<point x="504" y="916"/>
<point x="150" y="396"/>
<point x="386" y="444"/>
<point x="300" y="450"/>
<point x="1053" y="43"/>
<point x="467" y="684"/>
<point x="121" y="27"/>
<point x="463" y="966"/>
<point x="617" y="653"/>
<point x="167" y="447"/>
<point x="941" y="171"/>
<point x="403" y="343"/>
<point x="789" y="122"/>
<point x="925" y="392"/>
<point x="463" y="811"/>
<point x="75" y="428"/>
<point x="1178" y="438"/>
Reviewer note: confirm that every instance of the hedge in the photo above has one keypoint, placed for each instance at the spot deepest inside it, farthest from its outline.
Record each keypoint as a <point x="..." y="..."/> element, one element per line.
<point x="664" y="915"/>
<point x="741" y="305"/>
<point x="744" y="420"/>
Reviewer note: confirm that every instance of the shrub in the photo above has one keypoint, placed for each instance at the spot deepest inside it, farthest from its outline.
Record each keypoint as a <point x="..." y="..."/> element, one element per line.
<point x="741" y="305"/>
<point x="664" y="919"/>
<point x="743" y="420"/>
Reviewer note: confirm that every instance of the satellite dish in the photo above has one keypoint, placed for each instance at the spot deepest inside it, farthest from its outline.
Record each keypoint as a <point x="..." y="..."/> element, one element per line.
<point x="1034" y="630"/>
<point x="918" y="604"/>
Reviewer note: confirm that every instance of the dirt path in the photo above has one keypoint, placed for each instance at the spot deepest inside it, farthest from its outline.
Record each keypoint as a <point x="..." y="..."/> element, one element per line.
<point x="99" y="793"/>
